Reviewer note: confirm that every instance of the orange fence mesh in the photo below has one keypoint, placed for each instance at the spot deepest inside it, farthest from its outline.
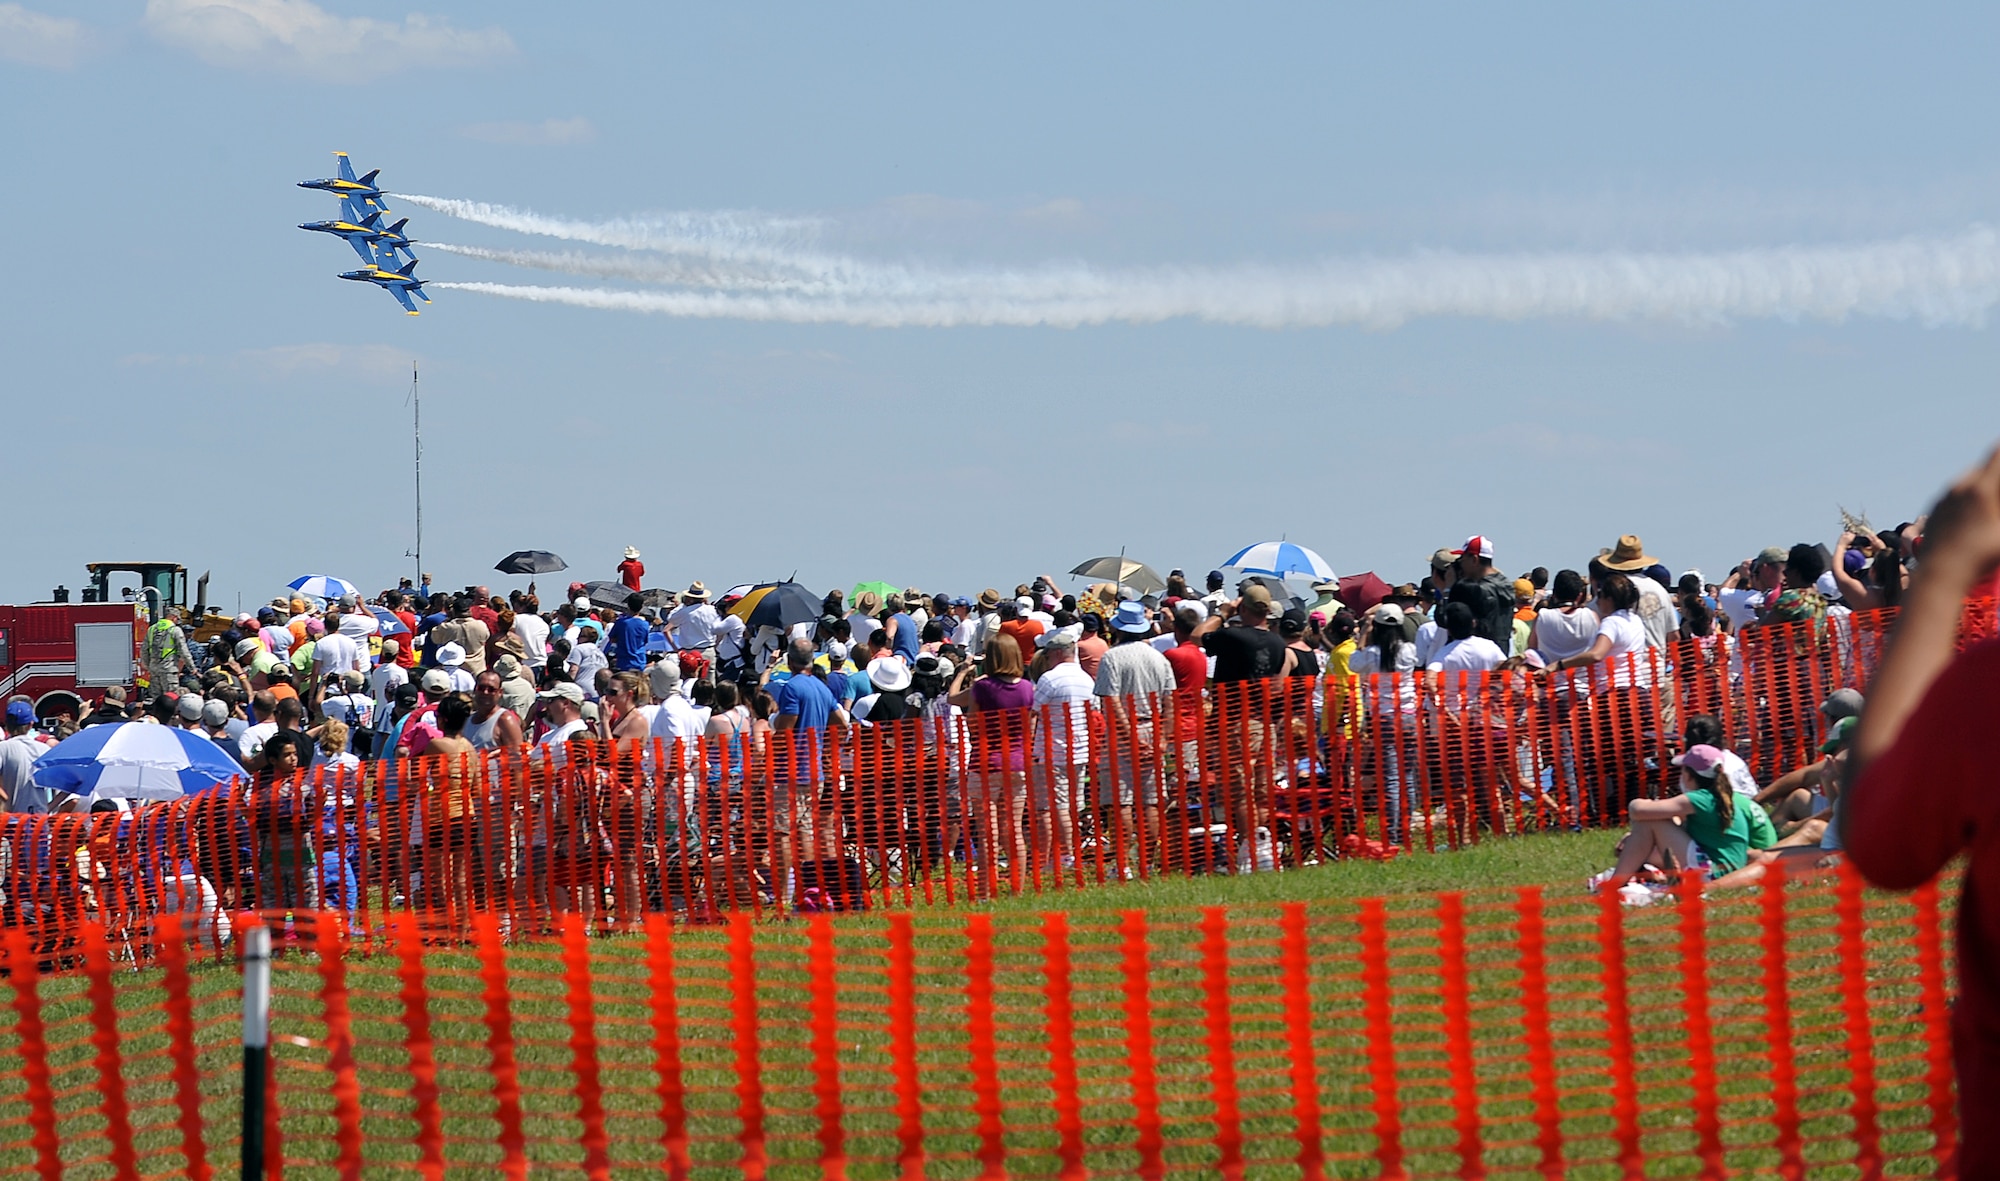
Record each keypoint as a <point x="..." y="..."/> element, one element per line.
<point x="1240" y="779"/>
<point x="1782" y="1031"/>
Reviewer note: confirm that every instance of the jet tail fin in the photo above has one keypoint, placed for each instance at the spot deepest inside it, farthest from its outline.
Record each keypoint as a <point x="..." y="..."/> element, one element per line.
<point x="408" y="269"/>
<point x="372" y="218"/>
<point x="397" y="229"/>
<point x="369" y="180"/>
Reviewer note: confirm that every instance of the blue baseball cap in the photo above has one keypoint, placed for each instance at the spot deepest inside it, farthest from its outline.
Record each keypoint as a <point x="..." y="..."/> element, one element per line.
<point x="20" y="713"/>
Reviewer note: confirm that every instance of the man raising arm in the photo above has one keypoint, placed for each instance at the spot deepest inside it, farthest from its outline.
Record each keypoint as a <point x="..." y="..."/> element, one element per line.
<point x="1926" y="785"/>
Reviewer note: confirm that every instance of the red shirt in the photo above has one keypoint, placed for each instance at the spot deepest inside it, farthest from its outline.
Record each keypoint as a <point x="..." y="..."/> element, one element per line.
<point x="487" y="616"/>
<point x="406" y="645"/>
<point x="1190" y="665"/>
<point x="1934" y="794"/>
<point x="630" y="571"/>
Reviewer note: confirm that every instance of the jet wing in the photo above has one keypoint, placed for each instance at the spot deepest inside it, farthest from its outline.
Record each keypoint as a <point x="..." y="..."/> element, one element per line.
<point x="403" y="297"/>
<point x="362" y="247"/>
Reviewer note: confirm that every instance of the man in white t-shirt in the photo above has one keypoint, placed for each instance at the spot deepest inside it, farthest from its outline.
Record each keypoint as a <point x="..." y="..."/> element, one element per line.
<point x="1745" y="592"/>
<point x="562" y="706"/>
<point x="1132" y="678"/>
<point x="534" y="633"/>
<point x="385" y="678"/>
<point x="337" y="652"/>
<point x="1063" y="697"/>
<point x="694" y="622"/>
<point x="351" y="704"/>
<point x="677" y="717"/>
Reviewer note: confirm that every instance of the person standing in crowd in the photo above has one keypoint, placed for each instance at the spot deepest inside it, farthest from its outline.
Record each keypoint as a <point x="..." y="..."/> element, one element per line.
<point x="533" y="632"/>
<point x="805" y="709"/>
<point x="1567" y="626"/>
<point x="1484" y="590"/>
<point x="1925" y="786"/>
<point x="585" y="659"/>
<point x="902" y="629"/>
<point x="693" y="625"/>
<point x="1248" y="657"/>
<point x="165" y="653"/>
<point x="467" y="633"/>
<point x="632" y="571"/>
<point x="1062" y="704"/>
<point x="1384" y="662"/>
<point x="1000" y="704"/>
<point x="18" y="753"/>
<point x="1655" y="612"/>
<point x="625" y="649"/>
<point x="1135" y="683"/>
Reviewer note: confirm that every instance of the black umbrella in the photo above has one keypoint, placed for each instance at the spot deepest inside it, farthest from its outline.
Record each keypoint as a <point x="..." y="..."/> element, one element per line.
<point x="1282" y="594"/>
<point x="530" y="561"/>
<point x="778" y="604"/>
<point x="611" y="595"/>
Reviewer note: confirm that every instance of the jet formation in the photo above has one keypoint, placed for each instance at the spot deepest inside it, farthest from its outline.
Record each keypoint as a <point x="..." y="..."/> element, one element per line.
<point x="382" y="248"/>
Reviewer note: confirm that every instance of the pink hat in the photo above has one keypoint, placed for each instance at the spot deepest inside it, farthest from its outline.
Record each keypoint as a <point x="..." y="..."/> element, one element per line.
<point x="1702" y="759"/>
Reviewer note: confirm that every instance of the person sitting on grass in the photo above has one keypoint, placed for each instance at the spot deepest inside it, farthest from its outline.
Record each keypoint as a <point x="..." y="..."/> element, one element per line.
<point x="1797" y="799"/>
<point x="1815" y="845"/>
<point x="1707" y="826"/>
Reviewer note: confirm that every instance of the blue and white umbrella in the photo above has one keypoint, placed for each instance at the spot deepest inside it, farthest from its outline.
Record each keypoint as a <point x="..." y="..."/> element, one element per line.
<point x="135" y="761"/>
<point x="1281" y="558"/>
<point x="322" y="586"/>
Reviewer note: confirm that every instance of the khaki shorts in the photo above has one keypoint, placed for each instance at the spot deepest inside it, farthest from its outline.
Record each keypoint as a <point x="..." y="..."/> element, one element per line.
<point x="1131" y="769"/>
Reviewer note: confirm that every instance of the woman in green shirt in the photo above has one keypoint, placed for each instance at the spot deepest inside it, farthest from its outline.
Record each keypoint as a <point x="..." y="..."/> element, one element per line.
<point x="1706" y="821"/>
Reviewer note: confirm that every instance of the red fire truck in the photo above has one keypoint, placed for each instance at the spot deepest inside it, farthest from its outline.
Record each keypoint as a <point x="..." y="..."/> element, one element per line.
<point x="62" y="655"/>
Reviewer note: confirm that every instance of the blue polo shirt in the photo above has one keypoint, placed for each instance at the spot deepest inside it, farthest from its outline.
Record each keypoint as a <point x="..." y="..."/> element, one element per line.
<point x="626" y="647"/>
<point x="807" y="698"/>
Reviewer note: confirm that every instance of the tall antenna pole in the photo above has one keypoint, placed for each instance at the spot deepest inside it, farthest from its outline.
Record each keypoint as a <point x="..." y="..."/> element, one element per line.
<point x="417" y="435"/>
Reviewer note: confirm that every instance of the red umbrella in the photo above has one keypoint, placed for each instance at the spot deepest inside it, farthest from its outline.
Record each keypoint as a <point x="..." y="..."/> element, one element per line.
<point x="1359" y="592"/>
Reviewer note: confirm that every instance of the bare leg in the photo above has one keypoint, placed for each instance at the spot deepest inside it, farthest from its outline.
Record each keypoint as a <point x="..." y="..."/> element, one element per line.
<point x="1652" y="841"/>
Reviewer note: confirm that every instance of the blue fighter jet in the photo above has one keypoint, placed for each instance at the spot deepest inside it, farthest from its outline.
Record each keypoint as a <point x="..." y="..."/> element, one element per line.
<point x="400" y="282"/>
<point x="361" y="191"/>
<point x="367" y="235"/>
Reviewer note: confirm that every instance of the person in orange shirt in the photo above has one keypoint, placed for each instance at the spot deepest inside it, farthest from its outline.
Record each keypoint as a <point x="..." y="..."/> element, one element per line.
<point x="1014" y="622"/>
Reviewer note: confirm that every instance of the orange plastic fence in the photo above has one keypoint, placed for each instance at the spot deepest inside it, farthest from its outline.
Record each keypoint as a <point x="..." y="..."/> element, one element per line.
<point x="1517" y="1034"/>
<point x="1240" y="779"/>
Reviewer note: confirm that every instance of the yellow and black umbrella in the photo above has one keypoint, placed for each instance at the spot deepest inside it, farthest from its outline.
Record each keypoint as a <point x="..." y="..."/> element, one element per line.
<point x="777" y="604"/>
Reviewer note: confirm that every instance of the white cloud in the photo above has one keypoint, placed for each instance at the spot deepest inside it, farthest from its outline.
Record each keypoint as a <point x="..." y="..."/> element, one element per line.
<point x="38" y="39"/>
<point x="301" y="37"/>
<point x="375" y="362"/>
<point x="548" y="133"/>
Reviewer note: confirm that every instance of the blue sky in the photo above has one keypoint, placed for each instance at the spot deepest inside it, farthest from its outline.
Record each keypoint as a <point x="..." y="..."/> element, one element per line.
<point x="188" y="380"/>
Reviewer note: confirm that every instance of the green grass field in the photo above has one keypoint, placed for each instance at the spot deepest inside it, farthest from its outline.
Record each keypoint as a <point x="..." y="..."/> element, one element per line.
<point x="539" y="988"/>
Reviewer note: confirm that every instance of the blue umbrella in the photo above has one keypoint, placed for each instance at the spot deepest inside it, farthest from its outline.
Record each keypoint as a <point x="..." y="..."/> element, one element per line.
<point x="322" y="586"/>
<point x="1280" y="558"/>
<point x="135" y="761"/>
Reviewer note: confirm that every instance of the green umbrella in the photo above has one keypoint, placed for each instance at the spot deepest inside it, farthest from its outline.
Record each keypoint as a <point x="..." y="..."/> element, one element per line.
<point x="882" y="591"/>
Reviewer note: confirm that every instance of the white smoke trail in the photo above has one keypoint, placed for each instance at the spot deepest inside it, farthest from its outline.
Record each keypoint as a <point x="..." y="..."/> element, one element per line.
<point x="748" y="237"/>
<point x="1937" y="280"/>
<point x="639" y="268"/>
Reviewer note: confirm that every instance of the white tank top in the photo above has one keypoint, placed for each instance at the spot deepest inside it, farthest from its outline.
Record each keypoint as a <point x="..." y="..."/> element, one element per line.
<point x="481" y="734"/>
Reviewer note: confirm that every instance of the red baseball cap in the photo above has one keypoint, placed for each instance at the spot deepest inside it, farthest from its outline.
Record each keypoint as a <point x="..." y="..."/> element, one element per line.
<point x="1479" y="547"/>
